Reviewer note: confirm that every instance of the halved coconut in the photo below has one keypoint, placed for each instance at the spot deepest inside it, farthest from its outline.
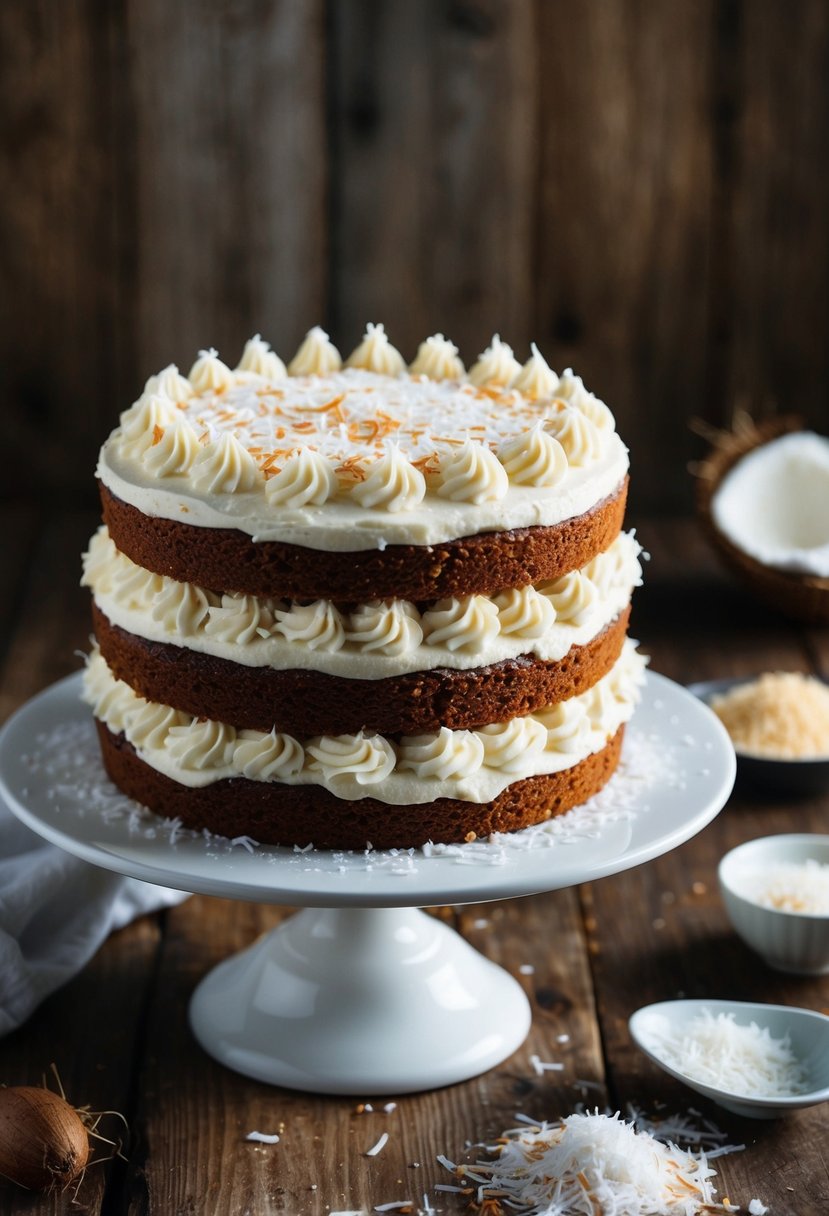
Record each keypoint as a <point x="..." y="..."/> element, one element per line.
<point x="763" y="496"/>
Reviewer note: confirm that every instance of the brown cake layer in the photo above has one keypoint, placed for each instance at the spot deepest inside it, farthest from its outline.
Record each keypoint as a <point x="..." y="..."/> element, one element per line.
<point x="224" y="559"/>
<point x="307" y="814"/>
<point x="305" y="703"/>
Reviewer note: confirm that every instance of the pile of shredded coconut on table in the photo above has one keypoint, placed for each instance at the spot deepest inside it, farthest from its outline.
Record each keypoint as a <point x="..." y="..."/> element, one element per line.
<point x="592" y="1165"/>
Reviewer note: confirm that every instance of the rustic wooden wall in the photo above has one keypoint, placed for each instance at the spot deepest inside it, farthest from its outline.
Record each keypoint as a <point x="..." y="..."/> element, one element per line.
<point x="640" y="185"/>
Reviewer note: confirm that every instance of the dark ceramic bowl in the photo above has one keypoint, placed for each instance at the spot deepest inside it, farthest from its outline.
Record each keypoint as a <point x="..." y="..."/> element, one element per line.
<point x="796" y="778"/>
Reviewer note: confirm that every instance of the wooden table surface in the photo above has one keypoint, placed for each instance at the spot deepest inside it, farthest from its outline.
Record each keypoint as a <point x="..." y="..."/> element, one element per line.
<point x="119" y="1037"/>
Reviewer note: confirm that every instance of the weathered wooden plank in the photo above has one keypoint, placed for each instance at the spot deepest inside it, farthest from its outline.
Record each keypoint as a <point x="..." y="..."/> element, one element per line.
<point x="63" y="316"/>
<point x="624" y="219"/>
<point x="18" y="527"/>
<point x="196" y="1113"/>
<point x="230" y="176"/>
<point x="434" y="127"/>
<point x="53" y="622"/>
<point x="780" y="245"/>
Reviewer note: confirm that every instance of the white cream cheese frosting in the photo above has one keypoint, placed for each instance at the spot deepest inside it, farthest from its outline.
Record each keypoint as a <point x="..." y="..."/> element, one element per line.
<point x="473" y="766"/>
<point x="373" y="641"/>
<point x="368" y="455"/>
<point x="438" y="359"/>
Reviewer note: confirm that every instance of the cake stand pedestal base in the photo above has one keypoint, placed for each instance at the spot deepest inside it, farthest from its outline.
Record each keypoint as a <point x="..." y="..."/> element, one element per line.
<point x="360" y="1001"/>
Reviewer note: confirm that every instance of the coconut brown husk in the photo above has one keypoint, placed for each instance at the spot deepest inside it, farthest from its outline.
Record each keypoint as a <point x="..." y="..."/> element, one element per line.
<point x="802" y="597"/>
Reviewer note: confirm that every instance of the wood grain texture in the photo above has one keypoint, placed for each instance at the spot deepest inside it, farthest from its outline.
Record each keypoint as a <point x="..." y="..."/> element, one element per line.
<point x="434" y="153"/>
<point x="61" y="322"/>
<point x="49" y="616"/>
<point x="623" y="259"/>
<point x="230" y="175"/>
<point x="780" y="247"/>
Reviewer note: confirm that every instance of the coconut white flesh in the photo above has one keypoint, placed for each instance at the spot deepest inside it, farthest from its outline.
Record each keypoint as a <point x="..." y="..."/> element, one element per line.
<point x="774" y="504"/>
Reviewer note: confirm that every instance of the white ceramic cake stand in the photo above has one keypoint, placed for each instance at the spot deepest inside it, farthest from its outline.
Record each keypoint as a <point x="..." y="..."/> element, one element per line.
<point x="360" y="992"/>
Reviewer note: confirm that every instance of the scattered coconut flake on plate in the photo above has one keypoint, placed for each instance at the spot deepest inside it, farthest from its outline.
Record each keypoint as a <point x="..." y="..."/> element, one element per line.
<point x="587" y="1164"/>
<point x="743" y="1060"/>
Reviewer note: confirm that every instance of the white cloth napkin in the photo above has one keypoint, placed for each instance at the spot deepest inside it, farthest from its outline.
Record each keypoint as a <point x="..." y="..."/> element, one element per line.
<point x="55" y="911"/>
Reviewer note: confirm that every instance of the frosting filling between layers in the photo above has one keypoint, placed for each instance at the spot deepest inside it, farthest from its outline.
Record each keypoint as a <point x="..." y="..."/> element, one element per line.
<point x="472" y="766"/>
<point x="373" y="641"/>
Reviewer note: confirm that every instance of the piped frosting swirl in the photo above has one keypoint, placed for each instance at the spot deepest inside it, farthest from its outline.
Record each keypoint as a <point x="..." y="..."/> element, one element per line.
<point x="535" y="458"/>
<point x="472" y="473"/>
<point x="438" y="359"/>
<point x="224" y="466"/>
<point x="257" y="357"/>
<point x="209" y="374"/>
<point x="376" y="354"/>
<point x="536" y="378"/>
<point x="306" y="479"/>
<point x="173" y="450"/>
<point x="392" y="483"/>
<point x="317" y="356"/>
<point x="496" y="365"/>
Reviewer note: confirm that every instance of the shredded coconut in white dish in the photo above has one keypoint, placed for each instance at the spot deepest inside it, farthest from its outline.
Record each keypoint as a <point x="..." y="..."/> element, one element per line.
<point x="718" y="1051"/>
<point x="789" y="887"/>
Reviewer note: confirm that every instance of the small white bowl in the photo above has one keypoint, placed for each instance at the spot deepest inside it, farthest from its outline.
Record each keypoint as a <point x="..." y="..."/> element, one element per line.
<point x="796" y="942"/>
<point x="808" y="1034"/>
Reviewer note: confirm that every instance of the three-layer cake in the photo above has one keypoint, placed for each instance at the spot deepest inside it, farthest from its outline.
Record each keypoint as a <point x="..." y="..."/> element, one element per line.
<point x="362" y="604"/>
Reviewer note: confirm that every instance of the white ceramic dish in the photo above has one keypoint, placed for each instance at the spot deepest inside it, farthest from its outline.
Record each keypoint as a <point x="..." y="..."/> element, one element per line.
<point x="808" y="1032"/>
<point x="797" y="942"/>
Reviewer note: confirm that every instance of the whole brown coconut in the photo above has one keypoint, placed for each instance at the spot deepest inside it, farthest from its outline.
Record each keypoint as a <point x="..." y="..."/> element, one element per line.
<point x="43" y="1140"/>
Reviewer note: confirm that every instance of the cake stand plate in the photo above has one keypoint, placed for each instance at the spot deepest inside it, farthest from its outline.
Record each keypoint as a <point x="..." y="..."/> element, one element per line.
<point x="361" y="993"/>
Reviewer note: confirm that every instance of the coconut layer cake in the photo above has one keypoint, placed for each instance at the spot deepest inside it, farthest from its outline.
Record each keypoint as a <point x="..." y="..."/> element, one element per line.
<point x="367" y="603"/>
